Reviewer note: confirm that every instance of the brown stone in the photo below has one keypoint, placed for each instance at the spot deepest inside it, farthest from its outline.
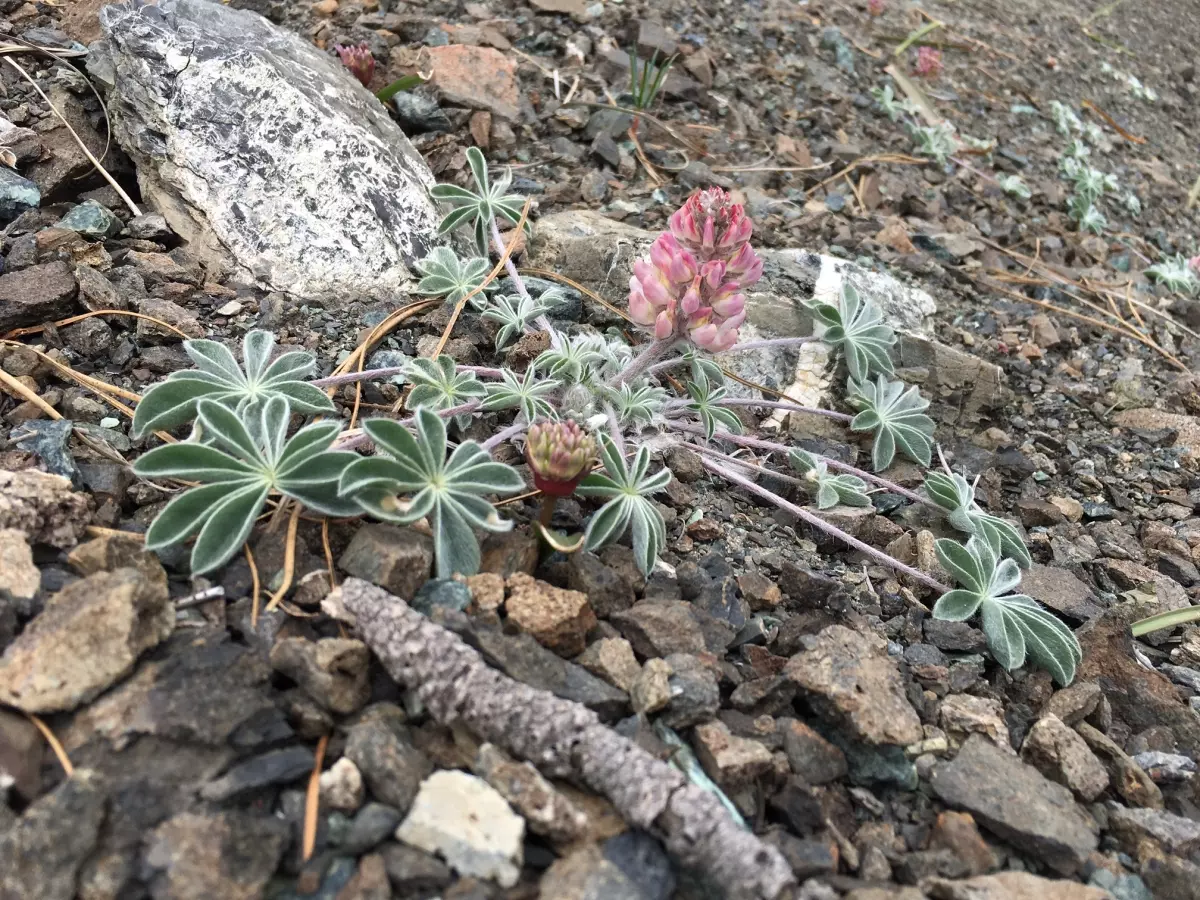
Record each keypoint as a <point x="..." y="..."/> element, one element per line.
<point x="730" y="760"/>
<point x="88" y="637"/>
<point x="958" y="833"/>
<point x="1059" y="753"/>
<point x="1012" y="886"/>
<point x="558" y="619"/>
<point x="36" y="295"/>
<point x="849" y="676"/>
<point x="475" y="77"/>
<point x="611" y="659"/>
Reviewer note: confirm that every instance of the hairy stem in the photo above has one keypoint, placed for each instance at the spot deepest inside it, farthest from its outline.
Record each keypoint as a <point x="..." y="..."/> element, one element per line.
<point x="349" y="440"/>
<point x="481" y="371"/>
<point x="546" y="513"/>
<point x="771" y="342"/>
<point x="650" y="354"/>
<point x="788" y="405"/>
<point x="541" y="321"/>
<point x="365" y="375"/>
<point x="836" y="465"/>
<point x="817" y="522"/>
<point x="503" y="435"/>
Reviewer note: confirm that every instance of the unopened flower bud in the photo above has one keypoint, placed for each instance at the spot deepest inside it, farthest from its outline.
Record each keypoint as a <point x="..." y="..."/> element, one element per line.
<point x="559" y="454"/>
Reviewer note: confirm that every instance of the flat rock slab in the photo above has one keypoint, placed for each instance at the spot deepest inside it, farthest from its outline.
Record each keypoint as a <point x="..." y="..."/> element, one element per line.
<point x="1017" y="803"/>
<point x="257" y="146"/>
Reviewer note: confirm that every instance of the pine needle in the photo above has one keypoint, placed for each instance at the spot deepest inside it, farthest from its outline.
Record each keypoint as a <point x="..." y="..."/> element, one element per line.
<point x="289" y="558"/>
<point x="312" y="799"/>
<point x="55" y="745"/>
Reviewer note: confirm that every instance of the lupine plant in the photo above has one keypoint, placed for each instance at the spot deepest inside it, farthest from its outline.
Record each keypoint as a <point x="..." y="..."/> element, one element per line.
<point x="590" y="413"/>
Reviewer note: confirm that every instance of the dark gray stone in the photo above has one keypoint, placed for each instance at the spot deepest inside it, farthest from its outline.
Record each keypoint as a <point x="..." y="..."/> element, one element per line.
<point x="382" y="748"/>
<point x="441" y="592"/>
<point x="606" y="590"/>
<point x="413" y="872"/>
<point x="17" y="194"/>
<point x="91" y="220"/>
<point x="523" y="658"/>
<point x="44" y="850"/>
<point x="643" y="861"/>
<point x="1017" y="803"/>
<point x="276" y="767"/>
<point x="370" y="827"/>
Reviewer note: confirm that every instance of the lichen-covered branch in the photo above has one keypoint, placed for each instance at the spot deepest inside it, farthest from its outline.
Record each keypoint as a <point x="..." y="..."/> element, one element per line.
<point x="565" y="740"/>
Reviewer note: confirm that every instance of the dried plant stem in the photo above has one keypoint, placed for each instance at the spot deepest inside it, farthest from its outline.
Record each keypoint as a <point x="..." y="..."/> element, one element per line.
<point x="503" y="435"/>
<point x="256" y="588"/>
<point x="289" y="557"/>
<point x="504" y="257"/>
<point x="565" y="740"/>
<point x="328" y="553"/>
<point x="793" y="407"/>
<point x="312" y="799"/>
<point x="133" y="207"/>
<point x="55" y="745"/>
<point x="817" y="522"/>
<point x="837" y="465"/>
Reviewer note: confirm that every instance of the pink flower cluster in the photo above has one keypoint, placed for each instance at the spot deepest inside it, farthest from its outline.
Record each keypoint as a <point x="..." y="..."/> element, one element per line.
<point x="1194" y="265"/>
<point x="691" y="286"/>
<point x="876" y="7"/>
<point x="359" y="61"/>
<point x="929" y="62"/>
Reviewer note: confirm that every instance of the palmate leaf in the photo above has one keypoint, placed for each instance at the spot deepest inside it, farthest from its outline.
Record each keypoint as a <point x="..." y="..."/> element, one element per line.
<point x="528" y="393"/>
<point x="515" y="314"/>
<point x="437" y="385"/>
<point x="450" y="491"/>
<point x="636" y="407"/>
<point x="857" y="328"/>
<point x="956" y="495"/>
<point x="1015" y="625"/>
<point x="572" y="359"/>
<point x="218" y="377"/>
<point x="896" y="415"/>
<point x="477" y="208"/>
<point x="249" y="458"/>
<point x="445" y="275"/>
<point x="627" y="487"/>
<point x="705" y="400"/>
<point x="829" y="489"/>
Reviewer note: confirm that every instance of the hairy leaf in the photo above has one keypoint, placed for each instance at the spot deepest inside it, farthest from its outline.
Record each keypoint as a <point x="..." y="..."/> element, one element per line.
<point x="490" y="200"/>
<point x="249" y="458"/>
<point x="218" y="377"/>
<point x="437" y="385"/>
<point x="450" y="491"/>
<point x="828" y="488"/>
<point x="1016" y="626"/>
<point x="528" y="393"/>
<point x="627" y="488"/>
<point x="857" y="328"/>
<point x="515" y="314"/>
<point x="956" y="495"/>
<point x="445" y="275"/>
<point x="705" y="405"/>
<point x="896" y="415"/>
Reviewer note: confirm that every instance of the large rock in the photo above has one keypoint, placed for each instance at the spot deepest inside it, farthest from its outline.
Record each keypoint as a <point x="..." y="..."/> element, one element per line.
<point x="88" y="637"/>
<point x="42" y="507"/>
<point x="224" y="854"/>
<point x="1011" y="886"/>
<point x="257" y="146"/>
<point x="1017" y="804"/>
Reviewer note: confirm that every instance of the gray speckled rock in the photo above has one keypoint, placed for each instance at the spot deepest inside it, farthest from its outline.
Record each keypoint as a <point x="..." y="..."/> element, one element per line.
<point x="257" y="146"/>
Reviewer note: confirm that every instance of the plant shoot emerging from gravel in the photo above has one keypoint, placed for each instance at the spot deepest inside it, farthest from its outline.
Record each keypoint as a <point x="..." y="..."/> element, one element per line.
<point x="589" y="400"/>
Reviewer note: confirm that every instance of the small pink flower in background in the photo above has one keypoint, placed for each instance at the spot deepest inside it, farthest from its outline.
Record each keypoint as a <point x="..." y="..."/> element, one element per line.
<point x="1194" y="265"/>
<point x="359" y="61"/>
<point x="692" y="283"/>
<point x="875" y="7"/>
<point x="929" y="62"/>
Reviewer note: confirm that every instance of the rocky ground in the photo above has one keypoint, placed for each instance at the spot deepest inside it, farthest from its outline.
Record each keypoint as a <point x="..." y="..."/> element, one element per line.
<point x="882" y="752"/>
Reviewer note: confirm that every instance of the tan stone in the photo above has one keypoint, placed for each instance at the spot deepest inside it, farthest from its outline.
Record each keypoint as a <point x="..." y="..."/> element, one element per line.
<point x="730" y="760"/>
<point x="612" y="659"/>
<point x="652" y="690"/>
<point x="558" y="619"/>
